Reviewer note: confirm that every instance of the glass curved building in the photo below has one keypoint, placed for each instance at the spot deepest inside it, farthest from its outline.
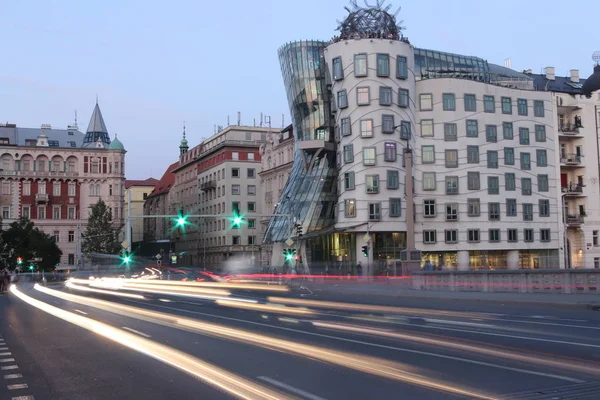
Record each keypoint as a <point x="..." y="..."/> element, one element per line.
<point x="310" y="195"/>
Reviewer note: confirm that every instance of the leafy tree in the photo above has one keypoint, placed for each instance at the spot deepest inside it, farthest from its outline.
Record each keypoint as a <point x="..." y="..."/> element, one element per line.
<point x="100" y="235"/>
<point x="23" y="239"/>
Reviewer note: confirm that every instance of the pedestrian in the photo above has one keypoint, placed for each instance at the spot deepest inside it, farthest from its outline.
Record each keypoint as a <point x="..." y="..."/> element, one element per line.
<point x="428" y="267"/>
<point x="359" y="271"/>
<point x="5" y="281"/>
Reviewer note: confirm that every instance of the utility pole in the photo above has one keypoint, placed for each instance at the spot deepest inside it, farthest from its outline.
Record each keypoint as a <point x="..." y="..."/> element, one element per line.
<point x="128" y="222"/>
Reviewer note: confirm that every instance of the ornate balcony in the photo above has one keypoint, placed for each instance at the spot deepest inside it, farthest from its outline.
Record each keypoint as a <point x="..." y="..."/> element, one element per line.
<point x="571" y="160"/>
<point x="574" y="221"/>
<point x="572" y="189"/>
<point x="42" y="198"/>
<point x="210" y="185"/>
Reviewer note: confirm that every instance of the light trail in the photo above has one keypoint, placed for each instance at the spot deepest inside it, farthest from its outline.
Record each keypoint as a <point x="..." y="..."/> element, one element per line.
<point x="215" y="376"/>
<point x="73" y="286"/>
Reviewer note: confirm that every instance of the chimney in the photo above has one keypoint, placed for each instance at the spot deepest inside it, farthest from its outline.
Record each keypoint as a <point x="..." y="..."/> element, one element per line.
<point x="575" y="75"/>
<point x="508" y="63"/>
<point x="550" y="75"/>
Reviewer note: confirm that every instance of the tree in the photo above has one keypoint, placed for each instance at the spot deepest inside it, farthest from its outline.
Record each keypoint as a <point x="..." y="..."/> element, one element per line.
<point x="100" y="235"/>
<point x="24" y="240"/>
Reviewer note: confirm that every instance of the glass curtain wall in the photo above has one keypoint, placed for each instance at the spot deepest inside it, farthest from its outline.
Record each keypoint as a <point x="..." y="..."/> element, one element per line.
<point x="310" y="193"/>
<point x="437" y="64"/>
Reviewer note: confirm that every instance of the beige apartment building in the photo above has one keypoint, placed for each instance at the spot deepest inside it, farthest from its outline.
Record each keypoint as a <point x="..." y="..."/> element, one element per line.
<point x="136" y="192"/>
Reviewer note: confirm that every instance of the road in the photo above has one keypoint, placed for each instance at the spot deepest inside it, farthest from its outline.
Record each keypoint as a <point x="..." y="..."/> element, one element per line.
<point x="165" y="342"/>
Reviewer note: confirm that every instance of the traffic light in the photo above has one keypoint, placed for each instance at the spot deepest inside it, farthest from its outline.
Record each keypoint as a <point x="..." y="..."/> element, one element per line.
<point x="365" y="251"/>
<point x="181" y="220"/>
<point x="19" y="260"/>
<point x="237" y="220"/>
<point x="31" y="267"/>
<point x="289" y="254"/>
<point x="126" y="257"/>
<point x="298" y="230"/>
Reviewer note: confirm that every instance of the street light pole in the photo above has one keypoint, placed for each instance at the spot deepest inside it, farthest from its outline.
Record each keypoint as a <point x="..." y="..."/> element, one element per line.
<point x="565" y="231"/>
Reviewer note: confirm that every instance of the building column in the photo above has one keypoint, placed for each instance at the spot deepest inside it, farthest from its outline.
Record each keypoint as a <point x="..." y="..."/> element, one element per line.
<point x="512" y="259"/>
<point x="463" y="260"/>
<point x="366" y="262"/>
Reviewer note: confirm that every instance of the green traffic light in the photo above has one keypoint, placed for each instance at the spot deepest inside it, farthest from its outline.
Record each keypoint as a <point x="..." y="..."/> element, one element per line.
<point x="289" y="257"/>
<point x="31" y="267"/>
<point x="180" y="221"/>
<point x="237" y="220"/>
<point x="127" y="259"/>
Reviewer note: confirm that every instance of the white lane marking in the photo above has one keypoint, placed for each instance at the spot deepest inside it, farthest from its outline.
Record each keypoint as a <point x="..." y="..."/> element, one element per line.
<point x="165" y="300"/>
<point x="23" y="398"/>
<point x="9" y="367"/>
<point x="17" y="386"/>
<point x="5" y="360"/>
<point x="136" y="332"/>
<point x="426" y="353"/>
<point x="292" y="320"/>
<point x="80" y="312"/>
<point x="13" y="376"/>
<point x="550" y="323"/>
<point x="8" y="353"/>
<point x="447" y="322"/>
<point x="289" y="388"/>
<point x="3" y="348"/>
<point x="554" y="318"/>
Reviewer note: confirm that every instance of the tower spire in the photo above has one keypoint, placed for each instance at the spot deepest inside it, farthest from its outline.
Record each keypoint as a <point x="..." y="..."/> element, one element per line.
<point x="183" y="146"/>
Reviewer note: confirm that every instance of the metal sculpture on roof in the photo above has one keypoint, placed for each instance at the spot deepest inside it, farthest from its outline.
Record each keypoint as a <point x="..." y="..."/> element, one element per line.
<point x="592" y="83"/>
<point x="370" y="21"/>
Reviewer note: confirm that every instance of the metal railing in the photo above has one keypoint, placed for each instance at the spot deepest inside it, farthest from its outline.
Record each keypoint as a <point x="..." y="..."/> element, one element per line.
<point x="575" y="220"/>
<point x="572" y="188"/>
<point x="569" y="129"/>
<point x="42" y="197"/>
<point x="571" y="159"/>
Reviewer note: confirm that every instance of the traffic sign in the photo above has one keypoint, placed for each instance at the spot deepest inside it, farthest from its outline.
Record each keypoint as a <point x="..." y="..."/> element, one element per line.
<point x="289" y="242"/>
<point x="367" y="238"/>
<point x="158" y="256"/>
<point x="125" y="244"/>
<point x="38" y="259"/>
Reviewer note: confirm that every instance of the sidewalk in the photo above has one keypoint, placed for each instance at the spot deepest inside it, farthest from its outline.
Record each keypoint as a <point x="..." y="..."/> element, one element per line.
<point x="403" y="290"/>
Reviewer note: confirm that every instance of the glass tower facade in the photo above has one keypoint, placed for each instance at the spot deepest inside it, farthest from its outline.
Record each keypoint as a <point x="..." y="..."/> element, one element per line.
<point x="310" y="194"/>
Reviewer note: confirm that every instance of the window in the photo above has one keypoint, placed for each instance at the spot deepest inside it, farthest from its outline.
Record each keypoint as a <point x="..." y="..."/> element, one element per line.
<point x="366" y="128"/>
<point x="403" y="98"/>
<point x="473" y="181"/>
<point x="349" y="180"/>
<point x="511" y="207"/>
<point x="427" y="128"/>
<point x="451" y="158"/>
<point x="488" y="104"/>
<point x="346" y="127"/>
<point x="523" y="136"/>
<point x="251" y="173"/>
<point x="473" y="207"/>
<point x="251" y="190"/>
<point x="251" y="240"/>
<point x="251" y="224"/>
<point x="426" y="102"/>
<point x="387" y="123"/>
<point x="526" y="186"/>
<point x="395" y="207"/>
<point x="528" y="235"/>
<point x="235" y="189"/>
<point x="390" y="151"/>
<point x="236" y="240"/>
<point x="544" y="235"/>
<point x="71" y="259"/>
<point x="491" y="133"/>
<point x="235" y="155"/>
<point x="544" y="206"/>
<point x="71" y="236"/>
<point x="369" y="156"/>
<point x="372" y="184"/>
<point x="56" y="236"/>
<point x="71" y="190"/>
<point x="527" y="212"/>
<point x="405" y="130"/>
<point x="428" y="154"/>
<point x="596" y="262"/>
<point x="429" y="208"/>
<point x="472" y="128"/>
<point x="450" y="132"/>
<point x="5" y="187"/>
<point x="512" y="235"/>
<point x="541" y="158"/>
<point x="510" y="181"/>
<point x="507" y="131"/>
<point x="235" y="207"/>
<point x="429" y="237"/>
<point x="350" y="208"/>
<point x="494" y="211"/>
<point x="110" y="190"/>
<point x="506" y="105"/>
<point x="338" y="70"/>
<point x="251" y="206"/>
<point x="342" y="98"/>
<point x="452" y="185"/>
<point x="522" y="106"/>
<point x="525" y="161"/>
<point x="452" y="212"/>
<point x="6" y="212"/>
<point x="41" y="164"/>
<point x="493" y="185"/>
<point x="540" y="133"/>
<point x="55" y="212"/>
<point x="363" y="96"/>
<point x="383" y="65"/>
<point x="473" y="154"/>
<point x="470" y="102"/>
<point x="348" y="153"/>
<point x="538" y="108"/>
<point x="494" y="235"/>
<point x="449" y="102"/>
<point x="385" y="96"/>
<point x="473" y="235"/>
<point x="26" y="188"/>
<point x="429" y="181"/>
<point x="248" y="135"/>
<point x="393" y="179"/>
<point x="95" y="166"/>
<point x="360" y="65"/>
<point x="401" y="67"/>
<point x="71" y="213"/>
<point x="26" y="212"/>
<point x="492" y="159"/>
<point x="509" y="156"/>
<point x="595" y="236"/>
<point x="41" y="212"/>
<point x="56" y="189"/>
<point x="451" y="235"/>
<point x="374" y="211"/>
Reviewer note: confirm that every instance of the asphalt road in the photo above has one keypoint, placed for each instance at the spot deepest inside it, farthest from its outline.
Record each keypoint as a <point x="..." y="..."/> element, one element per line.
<point x="348" y="348"/>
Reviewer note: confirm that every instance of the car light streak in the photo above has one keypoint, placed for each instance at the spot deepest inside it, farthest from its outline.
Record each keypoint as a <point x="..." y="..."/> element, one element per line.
<point x="370" y="365"/>
<point x="217" y="377"/>
<point x="274" y="308"/>
<point x="71" y="285"/>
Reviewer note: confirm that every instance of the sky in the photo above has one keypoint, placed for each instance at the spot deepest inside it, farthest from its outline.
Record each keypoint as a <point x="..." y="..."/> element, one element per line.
<point x="155" y="64"/>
